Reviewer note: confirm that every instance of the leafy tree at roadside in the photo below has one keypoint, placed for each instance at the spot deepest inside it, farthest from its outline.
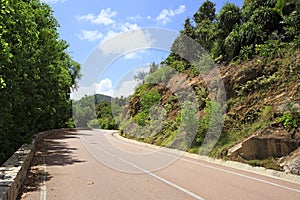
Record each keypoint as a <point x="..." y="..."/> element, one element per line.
<point x="36" y="74"/>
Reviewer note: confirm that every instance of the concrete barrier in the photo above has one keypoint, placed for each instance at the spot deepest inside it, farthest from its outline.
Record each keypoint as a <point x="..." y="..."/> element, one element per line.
<point x="13" y="172"/>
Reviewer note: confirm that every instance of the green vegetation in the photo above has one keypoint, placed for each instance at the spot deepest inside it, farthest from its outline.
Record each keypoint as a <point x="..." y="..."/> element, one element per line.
<point x="257" y="49"/>
<point x="236" y="131"/>
<point x="98" y="111"/>
<point x="84" y="111"/>
<point x="149" y="115"/>
<point x="36" y="74"/>
<point x="269" y="163"/>
<point x="146" y="102"/>
<point x="260" y="27"/>
<point x="290" y="118"/>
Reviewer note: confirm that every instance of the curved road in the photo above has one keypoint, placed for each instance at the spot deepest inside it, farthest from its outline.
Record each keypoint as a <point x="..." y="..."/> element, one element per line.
<point x="95" y="165"/>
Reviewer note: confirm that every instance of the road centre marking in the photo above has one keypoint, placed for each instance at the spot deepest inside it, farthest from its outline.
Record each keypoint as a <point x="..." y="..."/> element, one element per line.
<point x="172" y="154"/>
<point x="143" y="170"/>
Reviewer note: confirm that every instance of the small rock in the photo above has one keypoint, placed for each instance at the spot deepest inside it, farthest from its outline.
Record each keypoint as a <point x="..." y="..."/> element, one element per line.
<point x="293" y="166"/>
<point x="90" y="183"/>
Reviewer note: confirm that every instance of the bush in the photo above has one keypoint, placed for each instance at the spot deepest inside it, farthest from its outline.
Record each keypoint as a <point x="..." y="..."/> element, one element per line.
<point x="142" y="118"/>
<point x="288" y="120"/>
<point x="270" y="49"/>
<point x="247" y="52"/>
<point x="150" y="99"/>
<point x="93" y="123"/>
<point x="147" y="101"/>
<point x="162" y="75"/>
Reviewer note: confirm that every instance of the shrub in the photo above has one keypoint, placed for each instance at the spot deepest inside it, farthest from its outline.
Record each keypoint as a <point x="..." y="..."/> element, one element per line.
<point x="161" y="75"/>
<point x="289" y="121"/>
<point x="93" y="123"/>
<point x="149" y="99"/>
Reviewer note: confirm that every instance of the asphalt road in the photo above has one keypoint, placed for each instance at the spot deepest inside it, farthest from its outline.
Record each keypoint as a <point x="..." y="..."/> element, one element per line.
<point x="97" y="165"/>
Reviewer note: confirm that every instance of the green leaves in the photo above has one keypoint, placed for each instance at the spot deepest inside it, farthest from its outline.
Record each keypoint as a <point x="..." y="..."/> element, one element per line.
<point x="2" y="83"/>
<point x="290" y="118"/>
<point x="228" y="17"/>
<point x="206" y="11"/>
<point x="268" y="18"/>
<point x="279" y="6"/>
<point x="36" y="73"/>
<point x="233" y="31"/>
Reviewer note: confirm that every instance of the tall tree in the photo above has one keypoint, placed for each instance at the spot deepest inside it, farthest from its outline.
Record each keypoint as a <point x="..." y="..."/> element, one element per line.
<point x="228" y="17"/>
<point x="36" y="73"/>
<point x="205" y="12"/>
<point x="189" y="29"/>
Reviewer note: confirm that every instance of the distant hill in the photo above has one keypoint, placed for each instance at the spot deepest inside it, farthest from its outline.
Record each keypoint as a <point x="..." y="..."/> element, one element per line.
<point x="102" y="98"/>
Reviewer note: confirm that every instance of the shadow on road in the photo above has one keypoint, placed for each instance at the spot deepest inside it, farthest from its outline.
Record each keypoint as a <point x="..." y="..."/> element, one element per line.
<point x="51" y="151"/>
<point x="56" y="150"/>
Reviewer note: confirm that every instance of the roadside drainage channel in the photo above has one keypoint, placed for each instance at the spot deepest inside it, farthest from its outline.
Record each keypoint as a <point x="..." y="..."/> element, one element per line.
<point x="13" y="172"/>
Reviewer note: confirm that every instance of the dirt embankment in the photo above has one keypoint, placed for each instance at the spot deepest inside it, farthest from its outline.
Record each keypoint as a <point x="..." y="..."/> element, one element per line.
<point x="262" y="117"/>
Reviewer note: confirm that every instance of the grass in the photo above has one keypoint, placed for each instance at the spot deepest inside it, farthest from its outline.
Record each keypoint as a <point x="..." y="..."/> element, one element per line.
<point x="269" y="163"/>
<point x="234" y="135"/>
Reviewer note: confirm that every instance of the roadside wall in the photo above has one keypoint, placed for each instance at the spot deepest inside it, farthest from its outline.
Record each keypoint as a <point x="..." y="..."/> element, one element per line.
<point x="13" y="171"/>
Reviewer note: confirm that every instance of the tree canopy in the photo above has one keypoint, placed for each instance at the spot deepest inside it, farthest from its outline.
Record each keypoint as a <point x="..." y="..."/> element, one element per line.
<point x="36" y="73"/>
<point x="235" y="32"/>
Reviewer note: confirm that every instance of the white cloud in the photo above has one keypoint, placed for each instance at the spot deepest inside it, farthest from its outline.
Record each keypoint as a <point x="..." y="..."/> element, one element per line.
<point x="104" y="17"/>
<point x="134" y="55"/>
<point x="104" y="87"/>
<point x="90" y="35"/>
<point x="126" y="41"/>
<point x="135" y="18"/>
<point x="149" y="17"/>
<point x="145" y="68"/>
<point x="128" y="27"/>
<point x="120" y="28"/>
<point x="110" y="34"/>
<point x="165" y="15"/>
<point x="126" y="88"/>
<point x="82" y="91"/>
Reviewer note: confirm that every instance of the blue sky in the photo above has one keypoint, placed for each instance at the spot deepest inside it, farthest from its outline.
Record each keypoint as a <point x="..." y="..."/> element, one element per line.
<point x="92" y="27"/>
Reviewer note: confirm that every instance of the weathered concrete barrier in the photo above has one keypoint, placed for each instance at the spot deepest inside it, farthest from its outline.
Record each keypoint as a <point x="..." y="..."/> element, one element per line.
<point x="13" y="172"/>
<point x="257" y="147"/>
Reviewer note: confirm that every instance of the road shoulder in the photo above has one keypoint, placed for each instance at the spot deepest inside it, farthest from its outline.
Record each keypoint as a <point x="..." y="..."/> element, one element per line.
<point x="233" y="164"/>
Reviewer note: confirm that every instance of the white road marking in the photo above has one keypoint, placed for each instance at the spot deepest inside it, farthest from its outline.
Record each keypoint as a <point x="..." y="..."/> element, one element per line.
<point x="43" y="193"/>
<point x="226" y="171"/>
<point x="145" y="171"/>
<point x="241" y="175"/>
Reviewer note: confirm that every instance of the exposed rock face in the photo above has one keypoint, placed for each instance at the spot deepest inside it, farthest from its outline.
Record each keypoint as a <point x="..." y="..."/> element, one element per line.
<point x="272" y="142"/>
<point x="261" y="94"/>
<point x="293" y="166"/>
<point x="291" y="163"/>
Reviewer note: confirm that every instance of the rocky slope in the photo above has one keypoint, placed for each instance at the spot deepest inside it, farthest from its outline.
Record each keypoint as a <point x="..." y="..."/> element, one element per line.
<point x="262" y="123"/>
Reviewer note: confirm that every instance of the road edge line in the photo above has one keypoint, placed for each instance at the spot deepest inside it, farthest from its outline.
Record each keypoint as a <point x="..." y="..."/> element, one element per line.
<point x="292" y="178"/>
<point x="43" y="193"/>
